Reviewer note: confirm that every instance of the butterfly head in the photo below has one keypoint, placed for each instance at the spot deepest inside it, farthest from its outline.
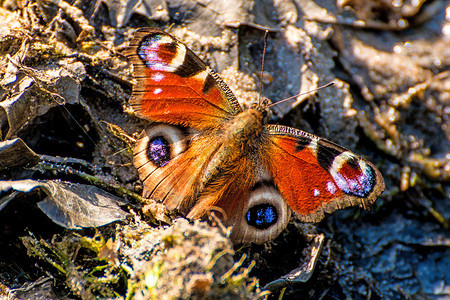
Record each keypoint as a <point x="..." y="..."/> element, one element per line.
<point x="262" y="106"/>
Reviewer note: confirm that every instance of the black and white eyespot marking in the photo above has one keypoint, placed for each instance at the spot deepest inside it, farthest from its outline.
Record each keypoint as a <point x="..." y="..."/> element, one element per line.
<point x="264" y="206"/>
<point x="164" y="142"/>
<point x="158" y="151"/>
<point x="262" y="216"/>
<point x="161" y="53"/>
<point x="352" y="175"/>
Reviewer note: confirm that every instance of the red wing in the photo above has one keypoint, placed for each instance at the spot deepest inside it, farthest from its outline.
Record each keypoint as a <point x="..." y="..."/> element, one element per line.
<point x="317" y="176"/>
<point x="174" y="85"/>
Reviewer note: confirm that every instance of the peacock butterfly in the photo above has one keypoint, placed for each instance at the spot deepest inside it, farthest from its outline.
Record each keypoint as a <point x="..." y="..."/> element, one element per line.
<point x="202" y="151"/>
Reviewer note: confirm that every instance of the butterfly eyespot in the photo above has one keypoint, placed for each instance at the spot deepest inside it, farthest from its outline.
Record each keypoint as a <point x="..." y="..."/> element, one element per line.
<point x="262" y="216"/>
<point x="159" y="151"/>
<point x="353" y="176"/>
<point x="158" y="145"/>
<point x="265" y="215"/>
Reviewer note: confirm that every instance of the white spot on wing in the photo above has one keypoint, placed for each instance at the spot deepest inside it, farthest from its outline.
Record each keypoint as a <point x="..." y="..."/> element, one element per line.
<point x="354" y="184"/>
<point x="157" y="91"/>
<point x="157" y="77"/>
<point x="313" y="146"/>
<point x="164" y="40"/>
<point x="316" y="192"/>
<point x="151" y="55"/>
<point x="340" y="180"/>
<point x="331" y="187"/>
<point x="158" y="66"/>
<point x="178" y="59"/>
<point x="201" y="76"/>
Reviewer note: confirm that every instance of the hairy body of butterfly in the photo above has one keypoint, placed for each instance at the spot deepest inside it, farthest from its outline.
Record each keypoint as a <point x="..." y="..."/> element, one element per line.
<point x="203" y="151"/>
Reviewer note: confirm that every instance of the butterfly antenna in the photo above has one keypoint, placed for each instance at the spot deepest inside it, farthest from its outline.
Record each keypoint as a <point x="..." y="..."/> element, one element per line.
<point x="266" y="33"/>
<point x="301" y="94"/>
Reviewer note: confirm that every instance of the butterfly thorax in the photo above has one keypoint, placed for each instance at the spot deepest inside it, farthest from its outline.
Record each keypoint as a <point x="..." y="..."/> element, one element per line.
<point x="244" y="128"/>
<point x="237" y="141"/>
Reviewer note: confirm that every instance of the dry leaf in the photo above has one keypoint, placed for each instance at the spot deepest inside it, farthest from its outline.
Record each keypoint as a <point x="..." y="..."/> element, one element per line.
<point x="73" y="206"/>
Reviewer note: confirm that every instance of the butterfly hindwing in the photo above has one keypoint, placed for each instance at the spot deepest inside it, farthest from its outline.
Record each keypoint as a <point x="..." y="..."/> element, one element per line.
<point x="170" y="163"/>
<point x="316" y="176"/>
<point x="174" y="85"/>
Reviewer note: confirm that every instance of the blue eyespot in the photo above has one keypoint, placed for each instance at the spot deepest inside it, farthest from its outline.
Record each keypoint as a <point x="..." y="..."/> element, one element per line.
<point x="262" y="216"/>
<point x="159" y="151"/>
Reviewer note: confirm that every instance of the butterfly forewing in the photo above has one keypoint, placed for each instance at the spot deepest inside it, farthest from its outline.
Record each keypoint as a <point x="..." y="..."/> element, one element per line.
<point x="316" y="176"/>
<point x="174" y="85"/>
